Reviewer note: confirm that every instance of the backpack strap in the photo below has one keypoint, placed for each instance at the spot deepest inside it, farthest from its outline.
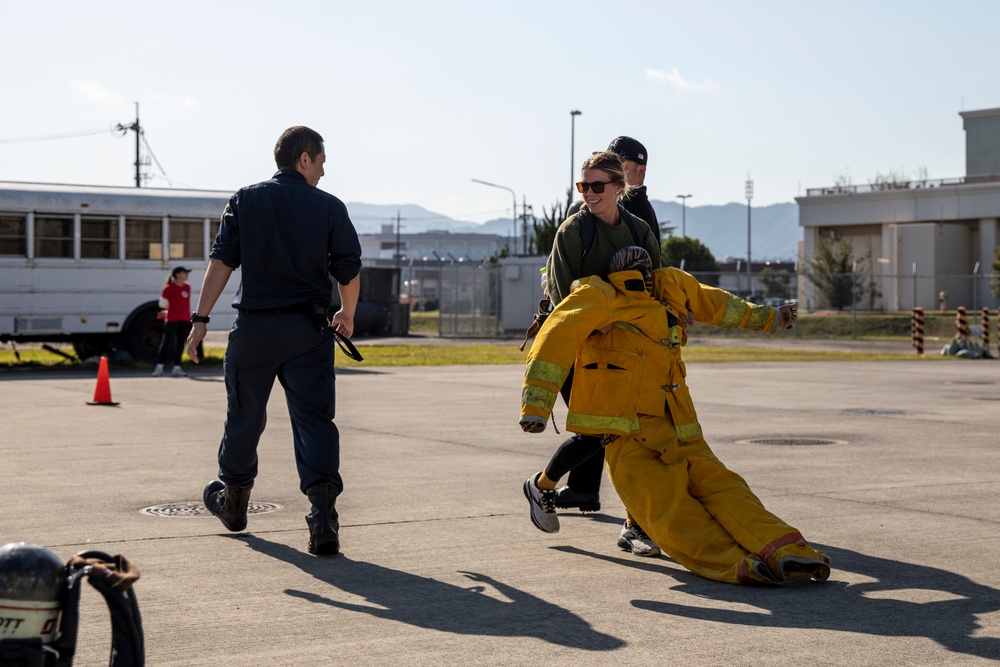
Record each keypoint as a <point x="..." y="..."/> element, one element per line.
<point x="588" y="231"/>
<point x="637" y="227"/>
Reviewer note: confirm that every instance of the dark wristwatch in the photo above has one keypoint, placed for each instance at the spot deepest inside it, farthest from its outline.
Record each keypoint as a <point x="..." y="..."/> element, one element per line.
<point x="200" y="319"/>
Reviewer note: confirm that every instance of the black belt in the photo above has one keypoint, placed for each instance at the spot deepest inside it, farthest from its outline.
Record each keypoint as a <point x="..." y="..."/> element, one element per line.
<point x="298" y="308"/>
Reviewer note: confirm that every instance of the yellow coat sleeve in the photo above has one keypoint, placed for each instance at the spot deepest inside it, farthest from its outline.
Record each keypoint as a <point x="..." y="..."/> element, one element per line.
<point x="712" y="305"/>
<point x="586" y="309"/>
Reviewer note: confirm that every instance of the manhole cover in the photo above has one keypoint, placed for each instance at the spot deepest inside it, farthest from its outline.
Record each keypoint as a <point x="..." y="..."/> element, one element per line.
<point x="793" y="442"/>
<point x="872" y="411"/>
<point x="192" y="510"/>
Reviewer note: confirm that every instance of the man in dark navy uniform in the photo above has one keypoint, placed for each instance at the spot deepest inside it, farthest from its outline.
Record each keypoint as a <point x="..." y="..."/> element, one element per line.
<point x="289" y="237"/>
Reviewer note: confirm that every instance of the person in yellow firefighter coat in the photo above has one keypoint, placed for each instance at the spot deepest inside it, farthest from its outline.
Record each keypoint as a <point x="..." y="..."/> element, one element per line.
<point x="625" y="336"/>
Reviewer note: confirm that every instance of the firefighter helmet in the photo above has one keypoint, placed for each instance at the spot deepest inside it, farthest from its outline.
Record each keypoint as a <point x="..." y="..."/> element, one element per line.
<point x="32" y="592"/>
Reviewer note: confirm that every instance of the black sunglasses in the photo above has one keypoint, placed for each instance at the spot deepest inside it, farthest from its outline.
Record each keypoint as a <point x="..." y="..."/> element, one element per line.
<point x="596" y="186"/>
<point x="346" y="346"/>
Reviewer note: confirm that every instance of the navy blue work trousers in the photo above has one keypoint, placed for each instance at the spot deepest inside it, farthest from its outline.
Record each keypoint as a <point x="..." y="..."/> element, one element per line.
<point x="264" y="345"/>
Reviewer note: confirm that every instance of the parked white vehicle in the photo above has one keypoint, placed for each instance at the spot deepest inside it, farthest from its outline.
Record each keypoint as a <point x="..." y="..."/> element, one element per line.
<point x="85" y="264"/>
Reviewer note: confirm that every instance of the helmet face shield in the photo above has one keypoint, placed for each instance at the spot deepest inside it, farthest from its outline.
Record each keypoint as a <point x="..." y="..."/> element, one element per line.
<point x="32" y="592"/>
<point x="634" y="258"/>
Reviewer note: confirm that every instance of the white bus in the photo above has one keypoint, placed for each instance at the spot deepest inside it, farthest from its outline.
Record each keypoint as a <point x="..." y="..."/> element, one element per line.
<point x="85" y="264"/>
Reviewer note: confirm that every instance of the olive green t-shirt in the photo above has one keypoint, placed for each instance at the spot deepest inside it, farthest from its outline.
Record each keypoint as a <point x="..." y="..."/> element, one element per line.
<point x="567" y="261"/>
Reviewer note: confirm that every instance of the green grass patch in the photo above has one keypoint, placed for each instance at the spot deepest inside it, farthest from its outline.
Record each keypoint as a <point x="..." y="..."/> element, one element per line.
<point x="810" y="326"/>
<point x="464" y="355"/>
<point x="33" y="356"/>
<point x="864" y="326"/>
<point x="423" y="322"/>
<point x="459" y="355"/>
<point x="434" y="355"/>
<point x="706" y="353"/>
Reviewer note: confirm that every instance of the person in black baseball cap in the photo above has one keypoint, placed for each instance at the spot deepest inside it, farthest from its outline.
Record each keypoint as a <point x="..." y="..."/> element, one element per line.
<point x="630" y="149"/>
<point x="635" y="158"/>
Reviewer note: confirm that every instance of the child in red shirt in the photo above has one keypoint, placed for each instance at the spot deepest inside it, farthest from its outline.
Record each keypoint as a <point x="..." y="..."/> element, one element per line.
<point x="175" y="305"/>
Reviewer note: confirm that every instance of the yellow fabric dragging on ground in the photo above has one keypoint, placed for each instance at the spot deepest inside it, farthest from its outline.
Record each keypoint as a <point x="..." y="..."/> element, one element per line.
<point x="698" y="511"/>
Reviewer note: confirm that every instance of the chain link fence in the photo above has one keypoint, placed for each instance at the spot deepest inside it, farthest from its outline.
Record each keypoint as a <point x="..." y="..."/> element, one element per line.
<point x="468" y="296"/>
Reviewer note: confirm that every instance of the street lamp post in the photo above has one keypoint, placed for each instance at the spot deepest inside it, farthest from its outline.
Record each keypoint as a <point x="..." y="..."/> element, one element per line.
<point x="572" y="150"/>
<point x="749" y="194"/>
<point x="683" y="199"/>
<point x="513" y="211"/>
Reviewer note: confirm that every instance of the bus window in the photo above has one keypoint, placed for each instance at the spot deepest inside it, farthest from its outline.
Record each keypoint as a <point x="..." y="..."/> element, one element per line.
<point x="98" y="237"/>
<point x="13" y="235"/>
<point x="53" y="236"/>
<point x="187" y="239"/>
<point x="143" y="238"/>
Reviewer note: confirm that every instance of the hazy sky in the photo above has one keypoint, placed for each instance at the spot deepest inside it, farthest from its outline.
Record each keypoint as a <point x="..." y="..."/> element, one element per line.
<point x="416" y="99"/>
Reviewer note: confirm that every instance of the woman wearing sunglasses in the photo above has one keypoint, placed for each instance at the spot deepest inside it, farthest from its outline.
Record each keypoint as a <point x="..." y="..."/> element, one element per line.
<point x="607" y="228"/>
<point x="602" y="185"/>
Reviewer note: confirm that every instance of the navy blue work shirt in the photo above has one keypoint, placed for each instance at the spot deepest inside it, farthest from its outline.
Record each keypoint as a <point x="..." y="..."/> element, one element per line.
<point x="289" y="237"/>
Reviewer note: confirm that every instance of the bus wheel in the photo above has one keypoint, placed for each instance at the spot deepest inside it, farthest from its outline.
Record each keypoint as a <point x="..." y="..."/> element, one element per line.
<point x="142" y="336"/>
<point x="95" y="345"/>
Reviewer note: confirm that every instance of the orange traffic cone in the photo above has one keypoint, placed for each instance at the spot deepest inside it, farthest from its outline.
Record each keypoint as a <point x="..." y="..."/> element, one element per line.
<point x="102" y="394"/>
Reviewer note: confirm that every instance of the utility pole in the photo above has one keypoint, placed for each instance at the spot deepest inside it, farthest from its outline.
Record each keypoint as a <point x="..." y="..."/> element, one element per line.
<point x="513" y="210"/>
<point x="749" y="194"/>
<point x="525" y="209"/>
<point x="572" y="150"/>
<point x="137" y="128"/>
<point x="397" y="255"/>
<point x="683" y="199"/>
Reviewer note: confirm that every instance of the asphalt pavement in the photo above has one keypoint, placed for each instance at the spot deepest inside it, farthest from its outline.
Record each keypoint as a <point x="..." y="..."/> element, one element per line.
<point x="890" y="467"/>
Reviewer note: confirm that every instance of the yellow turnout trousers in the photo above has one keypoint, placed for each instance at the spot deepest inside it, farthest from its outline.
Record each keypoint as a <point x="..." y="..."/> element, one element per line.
<point x="702" y="514"/>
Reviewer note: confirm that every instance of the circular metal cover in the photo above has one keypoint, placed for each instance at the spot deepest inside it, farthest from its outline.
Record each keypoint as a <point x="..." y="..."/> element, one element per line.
<point x="793" y="442"/>
<point x="197" y="509"/>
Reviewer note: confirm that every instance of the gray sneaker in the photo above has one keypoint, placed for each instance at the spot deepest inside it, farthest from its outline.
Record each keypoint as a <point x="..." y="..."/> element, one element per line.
<point x="543" y="509"/>
<point x="635" y="539"/>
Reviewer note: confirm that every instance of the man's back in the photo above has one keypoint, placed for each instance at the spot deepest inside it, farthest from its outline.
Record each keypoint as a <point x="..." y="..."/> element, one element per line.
<point x="288" y="236"/>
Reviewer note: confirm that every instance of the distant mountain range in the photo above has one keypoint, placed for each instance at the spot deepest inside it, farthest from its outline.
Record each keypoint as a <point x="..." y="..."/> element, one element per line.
<point x="775" y="229"/>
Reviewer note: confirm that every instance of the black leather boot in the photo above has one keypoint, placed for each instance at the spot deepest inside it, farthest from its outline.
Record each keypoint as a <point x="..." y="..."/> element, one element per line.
<point x="229" y="503"/>
<point x="323" y="521"/>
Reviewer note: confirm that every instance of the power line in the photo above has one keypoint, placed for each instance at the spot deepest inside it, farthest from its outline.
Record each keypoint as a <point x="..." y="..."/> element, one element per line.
<point x="153" y="155"/>
<point x="49" y="137"/>
<point x="56" y="114"/>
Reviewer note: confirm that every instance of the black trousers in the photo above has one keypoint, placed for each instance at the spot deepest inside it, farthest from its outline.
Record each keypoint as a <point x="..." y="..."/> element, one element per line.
<point x="172" y="344"/>
<point x="264" y="346"/>
<point x="582" y="456"/>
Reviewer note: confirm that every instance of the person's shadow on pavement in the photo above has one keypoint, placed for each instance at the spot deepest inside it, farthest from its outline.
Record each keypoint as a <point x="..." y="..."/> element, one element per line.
<point x="896" y="599"/>
<point x="435" y="605"/>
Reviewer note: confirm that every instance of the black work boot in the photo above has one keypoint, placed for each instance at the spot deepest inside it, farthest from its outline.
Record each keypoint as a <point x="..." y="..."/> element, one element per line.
<point x="323" y="521"/>
<point x="567" y="498"/>
<point x="229" y="503"/>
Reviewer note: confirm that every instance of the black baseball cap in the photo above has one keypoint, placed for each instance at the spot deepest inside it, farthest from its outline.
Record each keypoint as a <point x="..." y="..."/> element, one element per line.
<point x="178" y="269"/>
<point x="629" y="148"/>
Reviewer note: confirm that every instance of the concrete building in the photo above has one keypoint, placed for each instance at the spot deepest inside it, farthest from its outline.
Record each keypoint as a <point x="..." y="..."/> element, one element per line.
<point x="432" y="245"/>
<point x="926" y="238"/>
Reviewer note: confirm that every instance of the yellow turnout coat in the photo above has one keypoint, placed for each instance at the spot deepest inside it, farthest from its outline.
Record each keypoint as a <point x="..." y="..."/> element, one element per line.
<point x="629" y="386"/>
